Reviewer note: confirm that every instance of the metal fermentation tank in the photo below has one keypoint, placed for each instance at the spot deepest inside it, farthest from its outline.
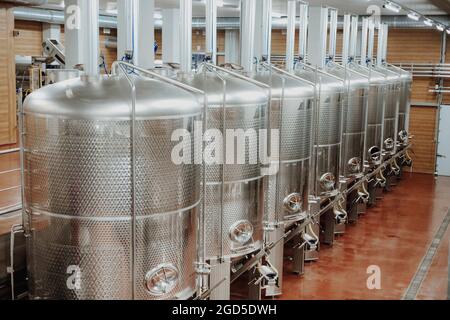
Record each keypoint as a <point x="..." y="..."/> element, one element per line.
<point x="404" y="104"/>
<point x="354" y="124"/>
<point x="109" y="216"/>
<point x="234" y="206"/>
<point x="328" y="131"/>
<point x="391" y="111"/>
<point x="375" y="111"/>
<point x="287" y="189"/>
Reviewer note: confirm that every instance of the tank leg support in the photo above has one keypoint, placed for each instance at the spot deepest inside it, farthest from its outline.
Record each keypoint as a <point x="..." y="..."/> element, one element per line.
<point x="299" y="255"/>
<point x="276" y="258"/>
<point x="372" y="193"/>
<point x="220" y="279"/>
<point x="328" y="223"/>
<point x="254" y="290"/>
<point x="352" y="207"/>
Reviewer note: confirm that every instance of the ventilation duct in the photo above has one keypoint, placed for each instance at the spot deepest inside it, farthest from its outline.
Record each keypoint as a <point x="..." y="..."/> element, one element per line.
<point x="26" y="2"/>
<point x="57" y="17"/>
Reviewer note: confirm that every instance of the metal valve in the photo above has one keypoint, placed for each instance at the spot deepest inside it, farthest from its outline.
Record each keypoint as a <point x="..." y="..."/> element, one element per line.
<point x="408" y="160"/>
<point x="363" y="195"/>
<point x="340" y="214"/>
<point x="268" y="275"/>
<point x="395" y="169"/>
<point x="311" y="242"/>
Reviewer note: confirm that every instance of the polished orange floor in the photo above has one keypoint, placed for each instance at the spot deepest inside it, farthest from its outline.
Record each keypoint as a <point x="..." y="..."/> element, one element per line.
<point x="394" y="236"/>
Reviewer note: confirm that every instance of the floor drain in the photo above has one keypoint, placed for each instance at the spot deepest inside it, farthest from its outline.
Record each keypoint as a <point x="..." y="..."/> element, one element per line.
<point x="425" y="264"/>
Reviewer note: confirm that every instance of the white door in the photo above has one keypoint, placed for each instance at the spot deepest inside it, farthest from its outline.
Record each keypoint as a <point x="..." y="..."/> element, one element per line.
<point x="443" y="153"/>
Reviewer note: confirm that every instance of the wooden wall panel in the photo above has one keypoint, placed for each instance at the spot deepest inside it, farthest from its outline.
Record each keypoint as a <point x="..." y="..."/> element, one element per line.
<point x="8" y="121"/>
<point x="422" y="126"/>
<point x="29" y="40"/>
<point x="421" y="90"/>
<point x="414" y="45"/>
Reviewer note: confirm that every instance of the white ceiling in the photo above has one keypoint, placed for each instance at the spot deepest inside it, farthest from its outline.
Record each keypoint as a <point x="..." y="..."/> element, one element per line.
<point x="231" y="7"/>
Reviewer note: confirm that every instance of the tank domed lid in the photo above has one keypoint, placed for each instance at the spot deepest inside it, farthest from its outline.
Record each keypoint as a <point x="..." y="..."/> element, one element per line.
<point x="389" y="75"/>
<point x="355" y="79"/>
<point x="238" y="91"/>
<point x="405" y="75"/>
<point x="375" y="76"/>
<point x="104" y="98"/>
<point x="327" y="82"/>
<point x="293" y="88"/>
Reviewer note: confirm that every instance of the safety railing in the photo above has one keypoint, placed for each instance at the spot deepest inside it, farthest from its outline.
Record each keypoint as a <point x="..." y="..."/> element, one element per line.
<point x="426" y="70"/>
<point x="10" y="186"/>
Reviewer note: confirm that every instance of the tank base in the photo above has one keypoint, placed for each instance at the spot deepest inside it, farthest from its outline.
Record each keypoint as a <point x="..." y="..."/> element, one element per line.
<point x="219" y="279"/>
<point x="352" y="207"/>
<point x="327" y="224"/>
<point x="372" y="189"/>
<point x="276" y="259"/>
<point x="299" y="255"/>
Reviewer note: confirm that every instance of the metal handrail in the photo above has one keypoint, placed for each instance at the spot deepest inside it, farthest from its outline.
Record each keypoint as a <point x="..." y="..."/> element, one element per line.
<point x="17" y="206"/>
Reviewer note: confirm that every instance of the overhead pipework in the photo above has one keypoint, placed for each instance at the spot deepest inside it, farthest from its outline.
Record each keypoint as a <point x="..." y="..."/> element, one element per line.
<point x="248" y="10"/>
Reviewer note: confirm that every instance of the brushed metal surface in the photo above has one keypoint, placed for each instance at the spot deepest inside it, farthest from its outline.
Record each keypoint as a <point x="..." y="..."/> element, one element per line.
<point x="291" y="112"/>
<point x="327" y="147"/>
<point x="244" y="106"/>
<point x="78" y="189"/>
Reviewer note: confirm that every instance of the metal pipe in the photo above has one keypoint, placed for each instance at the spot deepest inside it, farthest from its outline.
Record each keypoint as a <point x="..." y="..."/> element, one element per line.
<point x="371" y="41"/>
<point x="365" y="30"/>
<point x="290" y="37"/>
<point x="380" y="46"/>
<point x="346" y="39"/>
<point x="303" y="33"/>
<point x="267" y="30"/>
<point x="211" y="30"/>
<point x="248" y="8"/>
<point x="333" y="33"/>
<point x="385" y="42"/>
<point x="89" y="16"/>
<point x="9" y="151"/>
<point x="15" y="229"/>
<point x="10" y="209"/>
<point x="186" y="36"/>
<point x="353" y="37"/>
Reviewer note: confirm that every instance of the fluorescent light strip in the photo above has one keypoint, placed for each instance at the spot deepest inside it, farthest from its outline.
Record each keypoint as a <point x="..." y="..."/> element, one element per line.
<point x="392" y="7"/>
<point x="439" y="27"/>
<point x="413" y="16"/>
<point x="428" y="22"/>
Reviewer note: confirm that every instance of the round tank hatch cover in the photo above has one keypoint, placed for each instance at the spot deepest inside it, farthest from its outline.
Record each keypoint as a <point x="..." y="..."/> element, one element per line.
<point x="241" y="232"/>
<point x="327" y="182"/>
<point x="162" y="279"/>
<point x="293" y="203"/>
<point x="354" y="165"/>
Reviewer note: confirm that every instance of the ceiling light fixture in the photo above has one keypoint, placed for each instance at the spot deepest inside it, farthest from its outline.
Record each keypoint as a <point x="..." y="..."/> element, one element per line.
<point x="393" y="7"/>
<point x="413" y="16"/>
<point x="440" y="27"/>
<point x="428" y="22"/>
